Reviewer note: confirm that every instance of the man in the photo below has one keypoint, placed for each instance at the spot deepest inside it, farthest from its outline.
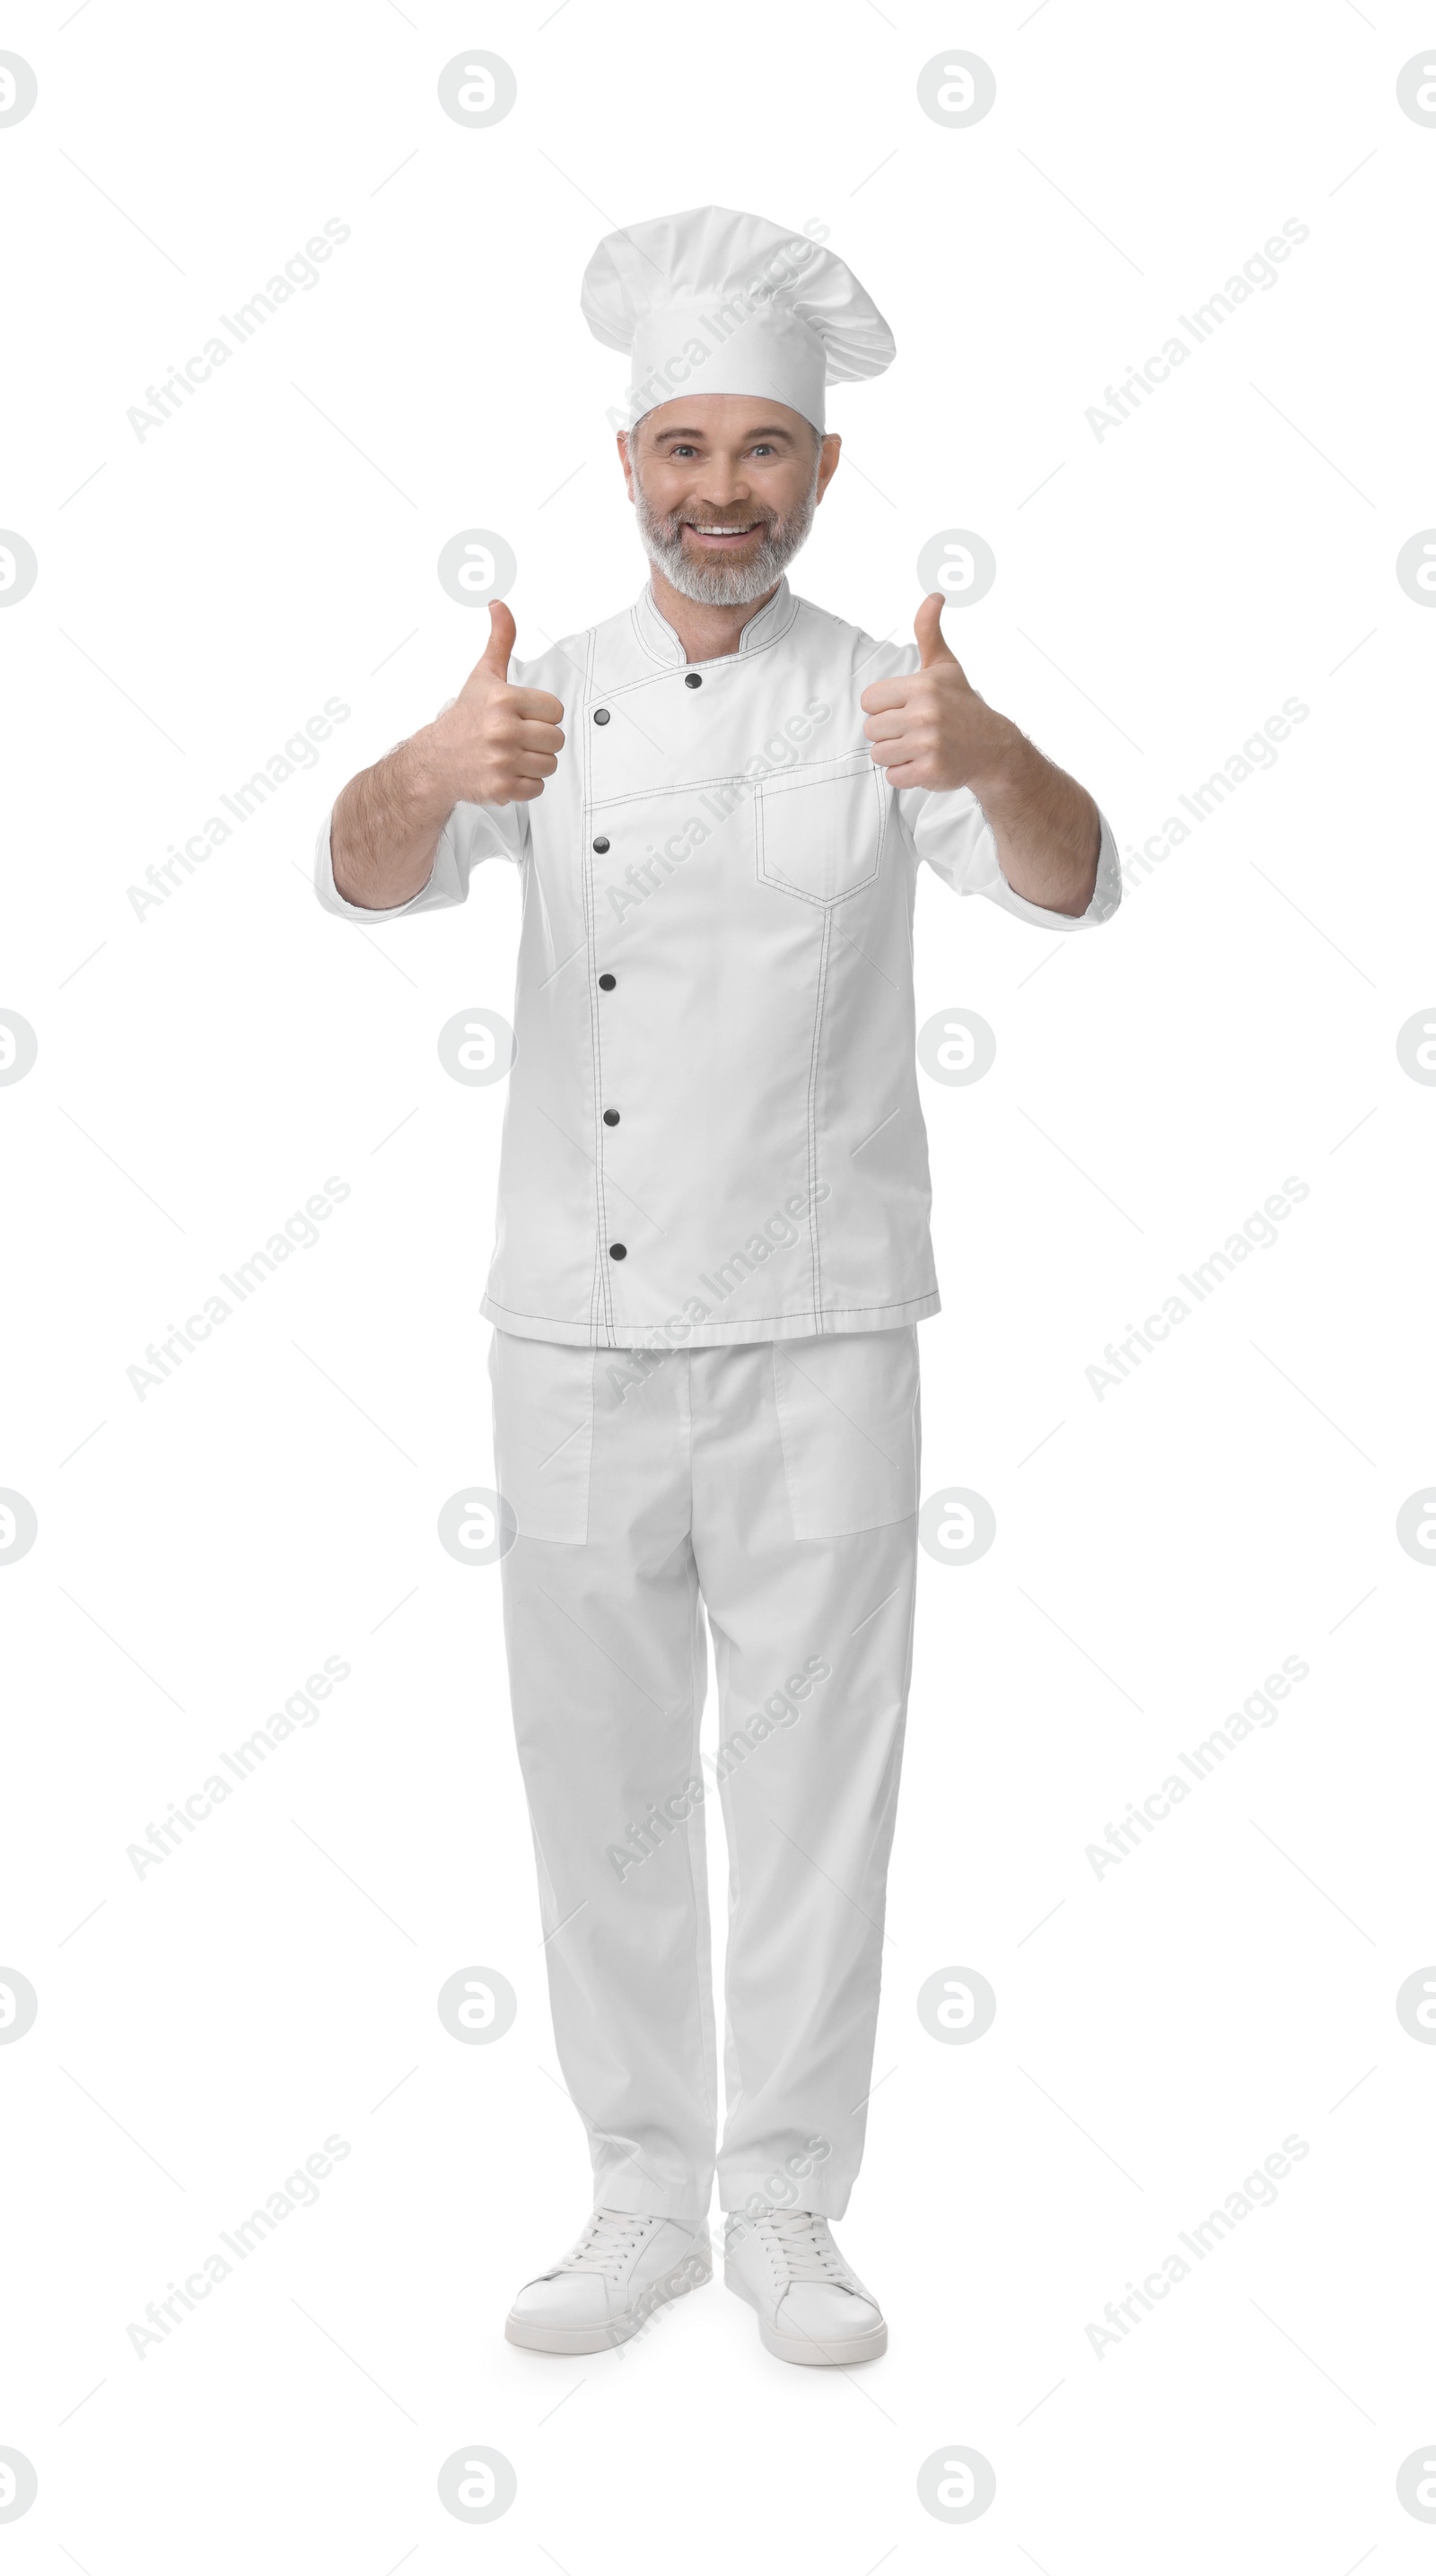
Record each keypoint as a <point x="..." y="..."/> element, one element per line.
<point x="712" y="1252"/>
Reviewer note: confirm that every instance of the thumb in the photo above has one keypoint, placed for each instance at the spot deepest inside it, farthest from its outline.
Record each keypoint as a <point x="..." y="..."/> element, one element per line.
<point x="927" y="627"/>
<point x="502" y="637"/>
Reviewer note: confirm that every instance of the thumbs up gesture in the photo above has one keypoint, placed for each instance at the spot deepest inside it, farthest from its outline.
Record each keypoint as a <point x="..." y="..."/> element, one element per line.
<point x="496" y="744"/>
<point x="931" y="729"/>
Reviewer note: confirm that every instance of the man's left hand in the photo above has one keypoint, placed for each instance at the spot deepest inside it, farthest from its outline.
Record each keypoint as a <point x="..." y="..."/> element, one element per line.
<point x="932" y="729"/>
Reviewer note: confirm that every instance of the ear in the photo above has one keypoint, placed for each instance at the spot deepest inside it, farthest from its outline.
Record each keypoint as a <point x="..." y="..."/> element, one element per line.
<point x="625" y="458"/>
<point x="829" y="450"/>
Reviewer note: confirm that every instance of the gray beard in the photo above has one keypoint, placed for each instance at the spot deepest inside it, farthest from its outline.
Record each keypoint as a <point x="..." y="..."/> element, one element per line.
<point x="720" y="585"/>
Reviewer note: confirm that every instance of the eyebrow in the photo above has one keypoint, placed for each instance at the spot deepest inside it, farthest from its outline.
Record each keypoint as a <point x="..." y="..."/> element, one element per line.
<point x="660" y="436"/>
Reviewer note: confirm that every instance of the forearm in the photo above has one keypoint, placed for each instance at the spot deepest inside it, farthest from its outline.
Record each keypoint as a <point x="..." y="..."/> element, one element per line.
<point x="386" y="828"/>
<point x="1047" y="828"/>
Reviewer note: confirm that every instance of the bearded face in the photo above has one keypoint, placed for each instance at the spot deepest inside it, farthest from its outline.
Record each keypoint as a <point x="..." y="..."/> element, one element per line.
<point x="723" y="556"/>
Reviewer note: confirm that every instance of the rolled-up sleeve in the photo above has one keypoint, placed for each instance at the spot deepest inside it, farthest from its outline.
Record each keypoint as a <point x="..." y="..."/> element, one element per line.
<point x="472" y="833"/>
<point x="948" y="828"/>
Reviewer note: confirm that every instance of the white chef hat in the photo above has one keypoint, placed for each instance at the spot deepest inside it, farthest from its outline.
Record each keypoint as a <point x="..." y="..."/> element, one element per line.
<point x="728" y="303"/>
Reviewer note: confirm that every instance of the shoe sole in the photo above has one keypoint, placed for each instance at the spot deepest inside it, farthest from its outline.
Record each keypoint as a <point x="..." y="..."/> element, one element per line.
<point x="806" y="2348"/>
<point x="605" y="2338"/>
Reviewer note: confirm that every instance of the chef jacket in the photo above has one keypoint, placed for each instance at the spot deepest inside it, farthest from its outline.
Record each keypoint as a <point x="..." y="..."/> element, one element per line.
<point x="713" y="1131"/>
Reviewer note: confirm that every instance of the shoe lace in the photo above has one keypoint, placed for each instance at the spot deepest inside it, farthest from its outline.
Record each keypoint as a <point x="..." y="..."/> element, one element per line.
<point x="799" y="2247"/>
<point x="606" y="2242"/>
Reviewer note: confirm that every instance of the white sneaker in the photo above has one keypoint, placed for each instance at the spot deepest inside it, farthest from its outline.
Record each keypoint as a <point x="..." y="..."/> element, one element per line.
<point x="810" y="2306"/>
<point x="621" y="2269"/>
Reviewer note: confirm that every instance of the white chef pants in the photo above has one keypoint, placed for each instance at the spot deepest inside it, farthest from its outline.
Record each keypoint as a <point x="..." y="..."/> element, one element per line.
<point x="776" y="1484"/>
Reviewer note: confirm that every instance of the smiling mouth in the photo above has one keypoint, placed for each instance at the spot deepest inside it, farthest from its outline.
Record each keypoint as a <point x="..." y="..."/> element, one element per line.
<point x="722" y="537"/>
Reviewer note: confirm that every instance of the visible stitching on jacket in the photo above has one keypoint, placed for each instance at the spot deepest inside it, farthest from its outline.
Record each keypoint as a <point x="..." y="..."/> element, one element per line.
<point x="667" y="662"/>
<point x="600" y="1301"/>
<point x="774" y="784"/>
<point x="814" y="1203"/>
<point x="695" y="786"/>
<point x="785" y="1315"/>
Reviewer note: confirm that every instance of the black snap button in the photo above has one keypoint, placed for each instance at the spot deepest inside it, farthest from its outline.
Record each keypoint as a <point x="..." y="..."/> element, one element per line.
<point x="618" y="1252"/>
<point x="610" y="1117"/>
<point x="600" y="844"/>
<point x="693" y="679"/>
<point x="606" y="983"/>
<point x="600" y="715"/>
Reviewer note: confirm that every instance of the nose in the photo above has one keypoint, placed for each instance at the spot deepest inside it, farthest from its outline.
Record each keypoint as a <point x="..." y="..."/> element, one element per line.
<point x="727" y="484"/>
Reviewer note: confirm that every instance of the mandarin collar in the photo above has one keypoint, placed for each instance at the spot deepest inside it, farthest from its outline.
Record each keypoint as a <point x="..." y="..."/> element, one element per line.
<point x="663" y="644"/>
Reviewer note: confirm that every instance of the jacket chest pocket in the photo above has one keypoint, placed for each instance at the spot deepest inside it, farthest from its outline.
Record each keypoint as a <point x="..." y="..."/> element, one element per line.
<point x="819" y="828"/>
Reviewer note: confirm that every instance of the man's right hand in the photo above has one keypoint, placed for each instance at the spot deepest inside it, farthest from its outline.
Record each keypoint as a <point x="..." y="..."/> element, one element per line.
<point x="496" y="744"/>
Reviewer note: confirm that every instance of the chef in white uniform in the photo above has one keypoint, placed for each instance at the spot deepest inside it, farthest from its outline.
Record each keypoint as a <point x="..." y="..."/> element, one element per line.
<point x="712" y="1253"/>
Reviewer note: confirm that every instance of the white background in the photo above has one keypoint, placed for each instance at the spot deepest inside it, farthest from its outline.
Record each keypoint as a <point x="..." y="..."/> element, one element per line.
<point x="203" y="1069"/>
